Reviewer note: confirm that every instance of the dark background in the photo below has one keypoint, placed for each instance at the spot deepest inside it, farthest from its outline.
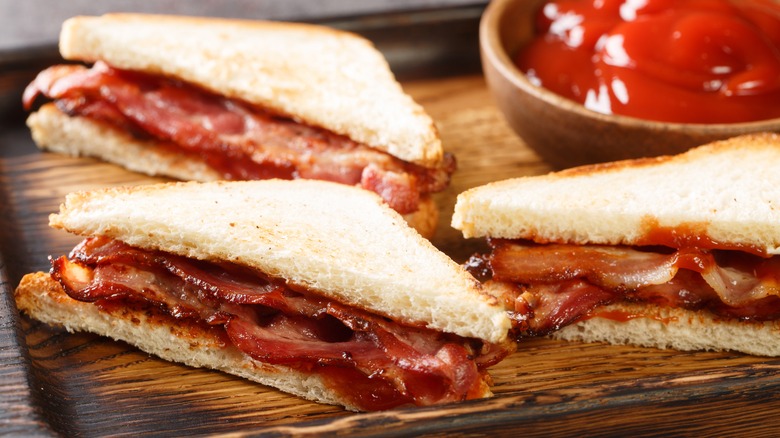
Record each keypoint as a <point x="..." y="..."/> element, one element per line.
<point x="28" y="23"/>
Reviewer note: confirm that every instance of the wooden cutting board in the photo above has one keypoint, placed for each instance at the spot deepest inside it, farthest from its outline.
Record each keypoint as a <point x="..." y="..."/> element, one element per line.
<point x="56" y="383"/>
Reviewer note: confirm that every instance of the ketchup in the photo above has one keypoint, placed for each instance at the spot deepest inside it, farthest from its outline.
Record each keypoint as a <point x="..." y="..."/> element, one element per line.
<point x="687" y="61"/>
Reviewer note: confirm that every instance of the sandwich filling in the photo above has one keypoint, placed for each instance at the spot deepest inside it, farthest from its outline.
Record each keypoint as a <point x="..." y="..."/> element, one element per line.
<point x="549" y="286"/>
<point x="367" y="359"/>
<point x="235" y="138"/>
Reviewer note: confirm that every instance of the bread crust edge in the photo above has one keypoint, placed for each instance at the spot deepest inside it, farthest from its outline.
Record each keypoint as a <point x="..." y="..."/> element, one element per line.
<point x="646" y="325"/>
<point x="41" y="298"/>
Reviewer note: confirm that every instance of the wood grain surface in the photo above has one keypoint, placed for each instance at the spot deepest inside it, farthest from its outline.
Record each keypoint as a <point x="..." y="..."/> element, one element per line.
<point x="56" y="383"/>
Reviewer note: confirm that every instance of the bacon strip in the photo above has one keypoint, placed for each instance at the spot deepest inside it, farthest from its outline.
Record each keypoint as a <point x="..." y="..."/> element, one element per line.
<point x="560" y="284"/>
<point x="240" y="141"/>
<point x="274" y="323"/>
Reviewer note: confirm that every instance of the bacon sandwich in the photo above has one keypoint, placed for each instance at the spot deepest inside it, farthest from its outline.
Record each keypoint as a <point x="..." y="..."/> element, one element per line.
<point x="673" y="252"/>
<point x="316" y="288"/>
<point x="216" y="99"/>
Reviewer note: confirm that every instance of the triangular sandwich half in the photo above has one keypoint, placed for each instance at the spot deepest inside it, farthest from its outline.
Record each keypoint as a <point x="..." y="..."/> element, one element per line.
<point x="209" y="99"/>
<point x="673" y="252"/>
<point x="316" y="288"/>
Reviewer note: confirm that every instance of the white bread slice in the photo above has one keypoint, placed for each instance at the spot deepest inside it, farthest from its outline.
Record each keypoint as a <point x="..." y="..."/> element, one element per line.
<point x="321" y="76"/>
<point x="55" y="131"/>
<point x="340" y="241"/>
<point x="728" y="189"/>
<point x="43" y="299"/>
<point x="79" y="136"/>
<point x="674" y="328"/>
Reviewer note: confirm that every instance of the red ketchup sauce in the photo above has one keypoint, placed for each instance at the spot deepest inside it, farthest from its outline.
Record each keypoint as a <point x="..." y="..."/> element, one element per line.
<point x="689" y="235"/>
<point x="685" y="61"/>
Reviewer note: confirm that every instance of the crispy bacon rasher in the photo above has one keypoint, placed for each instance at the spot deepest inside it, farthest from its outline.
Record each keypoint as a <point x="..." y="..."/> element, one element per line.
<point x="552" y="285"/>
<point x="235" y="138"/>
<point x="368" y="359"/>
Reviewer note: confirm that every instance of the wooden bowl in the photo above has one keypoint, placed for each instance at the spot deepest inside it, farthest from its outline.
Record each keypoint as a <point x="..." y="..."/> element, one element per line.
<point x="563" y="132"/>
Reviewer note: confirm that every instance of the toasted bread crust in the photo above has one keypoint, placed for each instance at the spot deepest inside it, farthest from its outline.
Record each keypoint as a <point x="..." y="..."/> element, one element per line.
<point x="727" y="189"/>
<point x="41" y="298"/>
<point x="675" y="328"/>
<point x="54" y="131"/>
<point x="425" y="219"/>
<point x="324" y="77"/>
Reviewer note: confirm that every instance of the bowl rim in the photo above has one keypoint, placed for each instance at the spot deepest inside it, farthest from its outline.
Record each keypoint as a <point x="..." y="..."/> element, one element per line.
<point x="495" y="52"/>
